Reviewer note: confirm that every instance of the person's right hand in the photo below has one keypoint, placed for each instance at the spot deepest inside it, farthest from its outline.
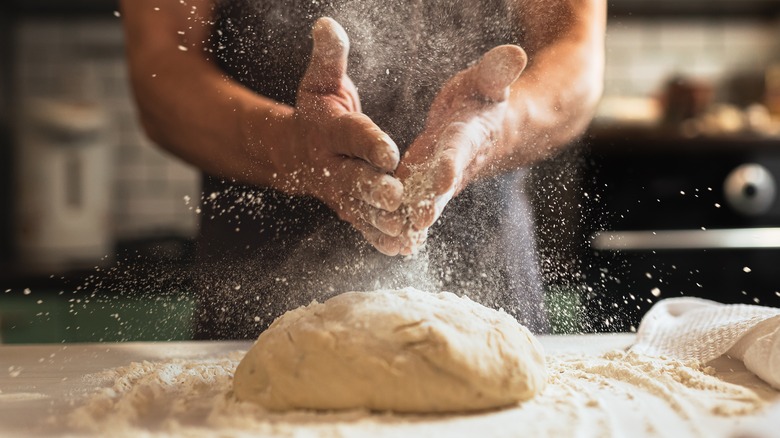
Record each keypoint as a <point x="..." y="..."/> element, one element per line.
<point x="337" y="154"/>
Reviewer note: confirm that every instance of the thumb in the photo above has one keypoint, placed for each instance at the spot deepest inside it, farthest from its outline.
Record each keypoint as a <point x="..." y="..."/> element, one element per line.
<point x="497" y="70"/>
<point x="328" y="64"/>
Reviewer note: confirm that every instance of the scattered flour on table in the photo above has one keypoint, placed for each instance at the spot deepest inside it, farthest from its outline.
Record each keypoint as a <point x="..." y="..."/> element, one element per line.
<point x="615" y="394"/>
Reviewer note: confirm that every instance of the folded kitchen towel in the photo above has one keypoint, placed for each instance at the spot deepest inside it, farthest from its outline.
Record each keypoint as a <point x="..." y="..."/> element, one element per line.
<point x="695" y="328"/>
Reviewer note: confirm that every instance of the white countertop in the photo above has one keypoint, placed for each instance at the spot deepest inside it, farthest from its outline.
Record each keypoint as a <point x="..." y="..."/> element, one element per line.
<point x="38" y="382"/>
<point x="39" y="379"/>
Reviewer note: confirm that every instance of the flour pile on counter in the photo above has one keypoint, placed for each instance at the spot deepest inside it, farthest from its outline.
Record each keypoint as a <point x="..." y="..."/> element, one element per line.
<point x="164" y="395"/>
<point x="615" y="394"/>
<point x="393" y="350"/>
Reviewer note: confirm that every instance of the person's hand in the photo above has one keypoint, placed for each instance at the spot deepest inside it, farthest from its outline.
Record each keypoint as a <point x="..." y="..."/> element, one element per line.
<point x="465" y="121"/>
<point x="337" y="154"/>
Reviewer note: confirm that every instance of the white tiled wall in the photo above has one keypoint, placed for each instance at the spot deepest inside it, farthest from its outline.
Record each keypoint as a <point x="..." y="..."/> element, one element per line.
<point x="85" y="60"/>
<point x="643" y="54"/>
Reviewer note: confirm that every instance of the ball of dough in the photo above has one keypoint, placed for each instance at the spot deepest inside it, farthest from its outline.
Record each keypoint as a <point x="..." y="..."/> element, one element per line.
<point x="392" y="350"/>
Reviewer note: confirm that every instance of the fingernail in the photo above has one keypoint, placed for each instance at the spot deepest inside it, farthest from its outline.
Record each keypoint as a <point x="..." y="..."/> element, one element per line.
<point x="499" y="69"/>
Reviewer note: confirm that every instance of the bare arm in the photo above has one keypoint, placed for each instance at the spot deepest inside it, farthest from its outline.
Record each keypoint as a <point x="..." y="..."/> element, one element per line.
<point x="324" y="147"/>
<point x="499" y="115"/>
<point x="552" y="102"/>
<point x="187" y="105"/>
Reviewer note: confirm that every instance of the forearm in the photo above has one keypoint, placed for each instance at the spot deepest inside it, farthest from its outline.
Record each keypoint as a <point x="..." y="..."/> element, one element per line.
<point x="552" y="102"/>
<point x="188" y="106"/>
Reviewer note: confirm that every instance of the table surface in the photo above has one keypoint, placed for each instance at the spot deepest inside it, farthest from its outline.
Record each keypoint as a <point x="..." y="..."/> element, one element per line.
<point x="36" y="379"/>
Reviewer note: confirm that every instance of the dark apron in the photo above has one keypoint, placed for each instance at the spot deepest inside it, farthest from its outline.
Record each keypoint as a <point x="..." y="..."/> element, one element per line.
<point x="262" y="253"/>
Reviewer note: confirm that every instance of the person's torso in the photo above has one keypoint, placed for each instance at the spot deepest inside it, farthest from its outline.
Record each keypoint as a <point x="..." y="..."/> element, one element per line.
<point x="401" y="53"/>
<point x="295" y="249"/>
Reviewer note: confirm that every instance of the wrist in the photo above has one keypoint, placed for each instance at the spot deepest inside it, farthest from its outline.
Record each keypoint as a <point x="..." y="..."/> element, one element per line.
<point x="515" y="121"/>
<point x="264" y="138"/>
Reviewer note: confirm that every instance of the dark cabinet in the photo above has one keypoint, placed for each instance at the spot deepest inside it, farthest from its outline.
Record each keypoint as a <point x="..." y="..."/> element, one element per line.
<point x="703" y="8"/>
<point x="59" y="7"/>
<point x="665" y="222"/>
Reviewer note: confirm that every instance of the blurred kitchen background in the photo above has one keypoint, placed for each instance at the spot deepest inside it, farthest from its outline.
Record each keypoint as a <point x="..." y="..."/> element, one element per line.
<point x="686" y="144"/>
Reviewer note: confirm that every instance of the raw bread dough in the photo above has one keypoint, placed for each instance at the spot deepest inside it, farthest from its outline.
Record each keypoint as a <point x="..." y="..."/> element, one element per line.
<point x="392" y="350"/>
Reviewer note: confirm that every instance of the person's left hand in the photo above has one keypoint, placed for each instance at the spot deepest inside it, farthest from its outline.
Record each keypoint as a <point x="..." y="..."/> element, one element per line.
<point x="465" y="123"/>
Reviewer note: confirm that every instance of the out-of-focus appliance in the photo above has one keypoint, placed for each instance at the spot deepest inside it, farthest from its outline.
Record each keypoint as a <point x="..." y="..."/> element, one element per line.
<point x="63" y="183"/>
<point x="680" y="217"/>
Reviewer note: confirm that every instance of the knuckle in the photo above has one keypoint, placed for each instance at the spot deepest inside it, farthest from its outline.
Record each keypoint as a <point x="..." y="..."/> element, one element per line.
<point x="387" y="223"/>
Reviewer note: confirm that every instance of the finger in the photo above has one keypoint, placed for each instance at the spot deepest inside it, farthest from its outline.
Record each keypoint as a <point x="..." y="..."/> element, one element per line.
<point x="390" y="223"/>
<point x="497" y="70"/>
<point x="419" y="192"/>
<point x="417" y="155"/>
<point x="433" y="163"/>
<point x="328" y="64"/>
<point x="445" y="172"/>
<point x="422" y="214"/>
<point x="362" y="181"/>
<point x="385" y="244"/>
<point x="355" y="211"/>
<point x="358" y="136"/>
<point x="456" y="148"/>
<point x="425" y="214"/>
<point x="351" y="210"/>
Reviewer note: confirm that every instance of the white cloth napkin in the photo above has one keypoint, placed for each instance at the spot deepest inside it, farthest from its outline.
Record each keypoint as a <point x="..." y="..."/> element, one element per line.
<point x="694" y="328"/>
